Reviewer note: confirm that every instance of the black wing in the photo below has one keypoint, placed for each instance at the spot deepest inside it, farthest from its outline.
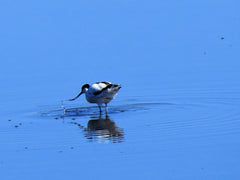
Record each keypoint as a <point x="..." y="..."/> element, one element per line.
<point x="99" y="92"/>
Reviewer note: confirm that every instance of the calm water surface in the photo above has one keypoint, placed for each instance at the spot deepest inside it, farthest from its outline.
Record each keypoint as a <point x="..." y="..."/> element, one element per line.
<point x="176" y="116"/>
<point x="191" y="133"/>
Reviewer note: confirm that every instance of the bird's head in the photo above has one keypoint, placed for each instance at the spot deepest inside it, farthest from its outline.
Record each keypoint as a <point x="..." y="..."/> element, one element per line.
<point x="85" y="87"/>
<point x="83" y="90"/>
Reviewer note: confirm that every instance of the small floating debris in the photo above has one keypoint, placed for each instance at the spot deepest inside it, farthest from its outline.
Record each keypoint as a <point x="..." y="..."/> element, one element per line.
<point x="9" y="120"/>
<point x="56" y="118"/>
<point x="17" y="125"/>
<point x="222" y="38"/>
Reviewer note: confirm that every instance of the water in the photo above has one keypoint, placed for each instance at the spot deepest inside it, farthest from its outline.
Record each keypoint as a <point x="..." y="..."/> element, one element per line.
<point x="175" y="117"/>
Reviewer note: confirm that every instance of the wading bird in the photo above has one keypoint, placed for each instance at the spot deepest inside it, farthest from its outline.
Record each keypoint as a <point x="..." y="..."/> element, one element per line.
<point x="99" y="93"/>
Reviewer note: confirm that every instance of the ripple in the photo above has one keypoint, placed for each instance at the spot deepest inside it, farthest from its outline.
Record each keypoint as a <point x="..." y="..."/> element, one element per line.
<point x="203" y="113"/>
<point x="93" y="110"/>
<point x="189" y="113"/>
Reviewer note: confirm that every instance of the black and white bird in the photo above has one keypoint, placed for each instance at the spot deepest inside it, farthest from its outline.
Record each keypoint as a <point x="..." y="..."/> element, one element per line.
<point x="99" y="93"/>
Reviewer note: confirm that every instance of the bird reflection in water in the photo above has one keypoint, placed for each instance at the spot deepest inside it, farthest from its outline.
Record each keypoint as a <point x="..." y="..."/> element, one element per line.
<point x="103" y="130"/>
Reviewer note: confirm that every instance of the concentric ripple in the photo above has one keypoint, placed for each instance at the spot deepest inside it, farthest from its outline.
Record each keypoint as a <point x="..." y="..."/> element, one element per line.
<point x="199" y="113"/>
<point x="93" y="110"/>
<point x="188" y="114"/>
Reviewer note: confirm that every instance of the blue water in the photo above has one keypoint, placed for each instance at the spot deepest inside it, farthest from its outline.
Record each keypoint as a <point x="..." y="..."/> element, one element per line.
<point x="176" y="116"/>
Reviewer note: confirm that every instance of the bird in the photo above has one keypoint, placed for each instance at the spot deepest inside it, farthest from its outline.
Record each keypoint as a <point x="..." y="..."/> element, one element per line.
<point x="99" y="93"/>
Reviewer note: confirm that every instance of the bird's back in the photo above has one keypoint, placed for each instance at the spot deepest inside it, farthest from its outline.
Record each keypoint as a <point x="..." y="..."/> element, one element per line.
<point x="102" y="92"/>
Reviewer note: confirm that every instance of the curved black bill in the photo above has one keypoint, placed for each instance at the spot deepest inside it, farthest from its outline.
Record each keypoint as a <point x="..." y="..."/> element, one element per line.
<point x="76" y="97"/>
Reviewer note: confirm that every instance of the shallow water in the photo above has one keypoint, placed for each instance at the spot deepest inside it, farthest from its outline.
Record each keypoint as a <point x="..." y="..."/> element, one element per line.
<point x="193" y="135"/>
<point x="176" y="116"/>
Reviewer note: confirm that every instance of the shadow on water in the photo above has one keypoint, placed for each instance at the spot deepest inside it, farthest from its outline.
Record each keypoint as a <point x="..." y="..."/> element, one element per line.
<point x="103" y="130"/>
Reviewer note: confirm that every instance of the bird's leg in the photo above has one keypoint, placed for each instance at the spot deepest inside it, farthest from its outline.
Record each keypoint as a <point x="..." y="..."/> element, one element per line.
<point x="106" y="109"/>
<point x="100" y="110"/>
